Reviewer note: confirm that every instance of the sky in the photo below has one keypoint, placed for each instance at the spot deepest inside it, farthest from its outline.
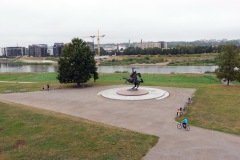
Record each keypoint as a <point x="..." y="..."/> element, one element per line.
<point x="26" y="22"/>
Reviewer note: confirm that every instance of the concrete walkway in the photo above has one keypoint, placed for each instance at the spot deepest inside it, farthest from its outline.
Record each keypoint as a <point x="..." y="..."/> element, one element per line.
<point x="154" y="117"/>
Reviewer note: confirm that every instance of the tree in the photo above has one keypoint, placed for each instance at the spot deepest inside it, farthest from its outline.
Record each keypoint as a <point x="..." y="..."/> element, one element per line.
<point x="229" y="64"/>
<point x="77" y="64"/>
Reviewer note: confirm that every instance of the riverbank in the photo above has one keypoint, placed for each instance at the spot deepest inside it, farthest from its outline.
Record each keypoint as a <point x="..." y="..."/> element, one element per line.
<point x="28" y="60"/>
<point x="162" y="60"/>
<point x="129" y="60"/>
<point x="156" y="64"/>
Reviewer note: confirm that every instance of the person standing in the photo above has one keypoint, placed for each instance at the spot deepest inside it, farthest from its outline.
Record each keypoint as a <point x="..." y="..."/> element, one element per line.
<point x="178" y="112"/>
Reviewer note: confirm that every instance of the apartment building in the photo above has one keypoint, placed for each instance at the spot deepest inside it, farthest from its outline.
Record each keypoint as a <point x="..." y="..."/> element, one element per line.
<point x="13" y="51"/>
<point x="144" y="45"/>
<point x="38" y="50"/>
<point x="58" y="49"/>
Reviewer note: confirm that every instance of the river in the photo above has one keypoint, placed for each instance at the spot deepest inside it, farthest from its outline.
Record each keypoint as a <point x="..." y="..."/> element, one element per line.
<point x="7" y="67"/>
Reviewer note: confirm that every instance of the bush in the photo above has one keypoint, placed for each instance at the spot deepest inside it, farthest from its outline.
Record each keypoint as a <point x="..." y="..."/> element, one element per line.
<point x="147" y="58"/>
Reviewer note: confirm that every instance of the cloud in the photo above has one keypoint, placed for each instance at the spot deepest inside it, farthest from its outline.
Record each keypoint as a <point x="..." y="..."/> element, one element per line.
<point x="35" y="21"/>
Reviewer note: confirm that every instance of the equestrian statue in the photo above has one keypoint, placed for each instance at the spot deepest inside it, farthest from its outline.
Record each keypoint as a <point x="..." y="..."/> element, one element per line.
<point x="134" y="79"/>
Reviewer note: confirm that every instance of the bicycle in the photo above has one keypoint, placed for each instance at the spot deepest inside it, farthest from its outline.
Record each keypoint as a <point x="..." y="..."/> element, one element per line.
<point x="180" y="126"/>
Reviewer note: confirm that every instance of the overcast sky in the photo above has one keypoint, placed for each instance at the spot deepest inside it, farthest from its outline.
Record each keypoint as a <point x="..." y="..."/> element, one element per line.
<point x="25" y="22"/>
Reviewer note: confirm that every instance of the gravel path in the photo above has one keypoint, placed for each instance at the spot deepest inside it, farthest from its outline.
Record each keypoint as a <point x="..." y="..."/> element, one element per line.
<point x="154" y="117"/>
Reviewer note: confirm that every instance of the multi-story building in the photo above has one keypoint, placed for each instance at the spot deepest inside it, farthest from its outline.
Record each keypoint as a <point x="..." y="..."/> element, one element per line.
<point x="58" y="49"/>
<point x="112" y="47"/>
<point x="38" y="50"/>
<point x="14" y="51"/>
<point x="1" y="51"/>
<point x="163" y="45"/>
<point x="144" y="45"/>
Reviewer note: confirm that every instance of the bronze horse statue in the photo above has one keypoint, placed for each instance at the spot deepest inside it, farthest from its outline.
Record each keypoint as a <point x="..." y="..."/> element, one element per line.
<point x="134" y="79"/>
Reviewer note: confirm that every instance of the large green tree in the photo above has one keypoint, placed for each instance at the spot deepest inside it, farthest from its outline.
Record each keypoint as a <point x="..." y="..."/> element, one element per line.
<point x="77" y="64"/>
<point x="229" y="64"/>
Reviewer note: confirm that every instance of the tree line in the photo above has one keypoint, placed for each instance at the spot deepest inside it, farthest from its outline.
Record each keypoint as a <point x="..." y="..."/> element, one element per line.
<point x="173" y="51"/>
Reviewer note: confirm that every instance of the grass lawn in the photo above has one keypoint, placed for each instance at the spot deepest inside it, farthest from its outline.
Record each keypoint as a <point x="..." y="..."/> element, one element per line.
<point x="29" y="77"/>
<point x="28" y="134"/>
<point x="215" y="106"/>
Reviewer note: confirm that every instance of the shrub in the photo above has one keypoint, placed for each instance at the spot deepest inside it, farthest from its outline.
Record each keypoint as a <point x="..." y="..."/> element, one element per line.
<point x="147" y="58"/>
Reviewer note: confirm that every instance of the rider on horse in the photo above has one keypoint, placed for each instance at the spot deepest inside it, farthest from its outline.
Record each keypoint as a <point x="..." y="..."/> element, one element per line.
<point x="133" y="79"/>
<point x="133" y="76"/>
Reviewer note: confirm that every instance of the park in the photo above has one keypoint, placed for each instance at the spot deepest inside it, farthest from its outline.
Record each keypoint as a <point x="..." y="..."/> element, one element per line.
<point x="74" y="121"/>
<point x="153" y="117"/>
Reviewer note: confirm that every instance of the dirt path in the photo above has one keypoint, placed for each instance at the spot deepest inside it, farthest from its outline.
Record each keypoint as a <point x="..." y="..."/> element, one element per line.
<point x="154" y="117"/>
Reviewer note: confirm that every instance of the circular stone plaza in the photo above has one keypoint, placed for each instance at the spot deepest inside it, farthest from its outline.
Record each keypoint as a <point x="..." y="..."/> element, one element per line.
<point x="126" y="93"/>
<point x="149" y="110"/>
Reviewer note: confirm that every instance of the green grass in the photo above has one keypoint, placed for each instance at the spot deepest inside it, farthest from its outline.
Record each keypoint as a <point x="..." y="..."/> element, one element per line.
<point x="175" y="60"/>
<point x="215" y="105"/>
<point x="36" y="134"/>
<point x="29" y="77"/>
<point x="133" y="60"/>
<point x="187" y="80"/>
<point x="206" y="62"/>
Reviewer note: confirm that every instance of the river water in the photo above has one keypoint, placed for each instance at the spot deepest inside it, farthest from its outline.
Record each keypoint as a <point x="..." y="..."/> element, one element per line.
<point x="7" y="67"/>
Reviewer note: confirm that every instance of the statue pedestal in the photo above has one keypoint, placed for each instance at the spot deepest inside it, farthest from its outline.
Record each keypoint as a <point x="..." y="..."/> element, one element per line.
<point x="132" y="92"/>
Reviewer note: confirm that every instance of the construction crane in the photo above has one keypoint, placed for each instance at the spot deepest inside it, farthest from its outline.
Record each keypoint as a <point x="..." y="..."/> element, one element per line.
<point x="98" y="39"/>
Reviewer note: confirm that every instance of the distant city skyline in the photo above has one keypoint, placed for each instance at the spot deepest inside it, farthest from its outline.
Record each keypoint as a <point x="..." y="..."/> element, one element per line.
<point x="27" y="22"/>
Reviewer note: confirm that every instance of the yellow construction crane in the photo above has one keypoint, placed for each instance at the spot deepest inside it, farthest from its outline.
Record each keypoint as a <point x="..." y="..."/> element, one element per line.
<point x="98" y="39"/>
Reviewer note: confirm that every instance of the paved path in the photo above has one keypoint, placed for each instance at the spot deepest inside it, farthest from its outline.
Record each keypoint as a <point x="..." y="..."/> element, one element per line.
<point x="154" y="117"/>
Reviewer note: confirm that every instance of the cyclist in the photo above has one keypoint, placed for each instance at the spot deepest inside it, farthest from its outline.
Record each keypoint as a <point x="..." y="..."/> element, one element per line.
<point x="184" y="122"/>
